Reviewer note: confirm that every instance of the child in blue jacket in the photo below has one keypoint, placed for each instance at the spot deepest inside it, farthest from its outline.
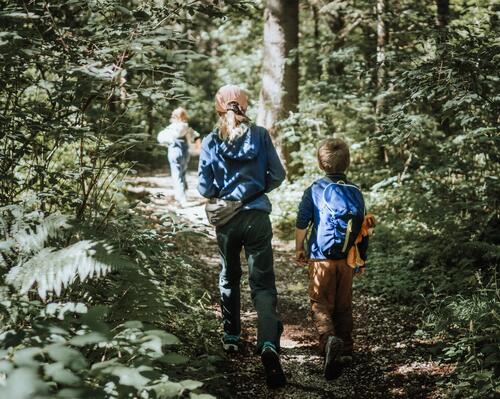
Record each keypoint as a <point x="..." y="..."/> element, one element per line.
<point x="330" y="276"/>
<point x="237" y="162"/>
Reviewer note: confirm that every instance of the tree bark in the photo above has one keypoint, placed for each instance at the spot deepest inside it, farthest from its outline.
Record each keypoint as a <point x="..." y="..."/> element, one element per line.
<point x="280" y="72"/>
<point x="442" y="18"/>
<point x="316" y="67"/>
<point x="443" y="13"/>
<point x="382" y="39"/>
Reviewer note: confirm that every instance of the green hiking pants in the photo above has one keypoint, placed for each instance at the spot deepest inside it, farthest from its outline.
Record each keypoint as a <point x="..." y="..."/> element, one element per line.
<point x="252" y="231"/>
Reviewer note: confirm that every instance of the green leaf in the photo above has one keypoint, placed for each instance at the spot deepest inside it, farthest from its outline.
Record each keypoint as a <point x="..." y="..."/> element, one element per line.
<point x="167" y="389"/>
<point x="133" y="324"/>
<point x="26" y="357"/>
<point x="130" y="376"/>
<point x="155" y="339"/>
<point x="70" y="357"/>
<point x="59" y="374"/>
<point x="88" y="339"/>
<point x="173" y="358"/>
<point x="6" y="367"/>
<point x="191" y="384"/>
<point x="201" y="396"/>
<point x="23" y="383"/>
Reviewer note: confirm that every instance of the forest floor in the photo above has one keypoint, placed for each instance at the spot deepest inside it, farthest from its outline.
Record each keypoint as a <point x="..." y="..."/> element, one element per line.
<point x="390" y="361"/>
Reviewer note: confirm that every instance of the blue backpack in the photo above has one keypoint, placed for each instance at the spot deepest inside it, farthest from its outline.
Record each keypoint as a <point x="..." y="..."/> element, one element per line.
<point x="341" y="218"/>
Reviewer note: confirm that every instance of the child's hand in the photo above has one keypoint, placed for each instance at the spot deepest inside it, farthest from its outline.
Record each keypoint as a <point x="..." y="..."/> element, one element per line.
<point x="358" y="271"/>
<point x="300" y="256"/>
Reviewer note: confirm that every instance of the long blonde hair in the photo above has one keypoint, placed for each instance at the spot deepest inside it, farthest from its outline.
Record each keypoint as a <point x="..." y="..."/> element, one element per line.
<point x="230" y="125"/>
<point x="179" y="115"/>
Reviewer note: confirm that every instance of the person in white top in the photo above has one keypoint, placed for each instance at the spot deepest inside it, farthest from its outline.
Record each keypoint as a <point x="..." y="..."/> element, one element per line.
<point x="176" y="137"/>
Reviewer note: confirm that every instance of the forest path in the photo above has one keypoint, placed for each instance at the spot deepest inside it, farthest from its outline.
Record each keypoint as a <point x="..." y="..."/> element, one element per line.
<point x="390" y="361"/>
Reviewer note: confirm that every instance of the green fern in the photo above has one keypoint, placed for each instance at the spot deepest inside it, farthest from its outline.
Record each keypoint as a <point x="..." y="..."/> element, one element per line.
<point x="54" y="269"/>
<point x="25" y="238"/>
<point x="49" y="269"/>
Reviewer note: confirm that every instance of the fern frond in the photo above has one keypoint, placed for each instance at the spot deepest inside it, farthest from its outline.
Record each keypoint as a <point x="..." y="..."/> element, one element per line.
<point x="53" y="270"/>
<point x="33" y="240"/>
<point x="23" y="236"/>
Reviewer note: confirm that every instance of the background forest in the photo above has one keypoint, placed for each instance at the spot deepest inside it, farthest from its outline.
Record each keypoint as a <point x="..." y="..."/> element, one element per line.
<point x="85" y="86"/>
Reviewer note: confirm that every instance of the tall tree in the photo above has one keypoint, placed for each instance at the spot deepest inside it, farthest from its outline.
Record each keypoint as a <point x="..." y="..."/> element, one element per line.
<point x="443" y="11"/>
<point x="382" y="39"/>
<point x="442" y="19"/>
<point x="280" y="72"/>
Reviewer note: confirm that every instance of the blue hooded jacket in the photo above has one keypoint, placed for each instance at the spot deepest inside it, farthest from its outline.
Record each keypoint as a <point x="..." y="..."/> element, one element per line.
<point x="235" y="170"/>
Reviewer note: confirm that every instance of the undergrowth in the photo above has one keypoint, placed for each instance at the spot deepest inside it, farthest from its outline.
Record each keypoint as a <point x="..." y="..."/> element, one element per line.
<point x="114" y="336"/>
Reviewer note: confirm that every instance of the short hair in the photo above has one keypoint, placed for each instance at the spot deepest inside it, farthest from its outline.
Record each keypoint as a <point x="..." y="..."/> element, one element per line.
<point x="333" y="156"/>
<point x="179" y="115"/>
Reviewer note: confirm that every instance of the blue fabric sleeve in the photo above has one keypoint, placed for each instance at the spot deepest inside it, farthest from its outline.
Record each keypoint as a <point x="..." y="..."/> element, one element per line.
<point x="275" y="170"/>
<point x="206" y="186"/>
<point x="306" y="210"/>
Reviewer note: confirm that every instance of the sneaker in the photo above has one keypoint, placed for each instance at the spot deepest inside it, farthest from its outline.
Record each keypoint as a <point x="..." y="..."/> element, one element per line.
<point x="230" y="343"/>
<point x="333" y="367"/>
<point x="275" y="377"/>
<point x="346" y="360"/>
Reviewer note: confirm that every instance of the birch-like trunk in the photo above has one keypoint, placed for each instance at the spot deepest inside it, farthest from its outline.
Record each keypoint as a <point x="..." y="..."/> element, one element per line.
<point x="382" y="38"/>
<point x="280" y="71"/>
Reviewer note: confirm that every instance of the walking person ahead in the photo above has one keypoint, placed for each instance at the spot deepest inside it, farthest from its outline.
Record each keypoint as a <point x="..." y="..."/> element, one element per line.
<point x="177" y="136"/>
<point x="238" y="162"/>
<point x="337" y="250"/>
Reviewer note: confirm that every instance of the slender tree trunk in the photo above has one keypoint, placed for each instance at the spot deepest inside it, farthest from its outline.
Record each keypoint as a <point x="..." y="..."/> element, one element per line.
<point x="316" y="67"/>
<point x="280" y="73"/>
<point x="442" y="17"/>
<point x="382" y="39"/>
<point x="443" y="13"/>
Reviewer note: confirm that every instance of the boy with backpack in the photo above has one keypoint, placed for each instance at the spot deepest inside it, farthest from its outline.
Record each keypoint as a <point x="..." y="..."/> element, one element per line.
<point x="336" y="251"/>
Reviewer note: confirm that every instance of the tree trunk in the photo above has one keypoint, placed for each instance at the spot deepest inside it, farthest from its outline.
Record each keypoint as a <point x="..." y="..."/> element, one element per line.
<point x="382" y="39"/>
<point x="442" y="17"/>
<point x="280" y="72"/>
<point x="442" y="14"/>
<point x="316" y="67"/>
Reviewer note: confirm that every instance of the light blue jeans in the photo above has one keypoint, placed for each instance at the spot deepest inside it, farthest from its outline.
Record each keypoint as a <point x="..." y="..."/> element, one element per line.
<point x="178" y="158"/>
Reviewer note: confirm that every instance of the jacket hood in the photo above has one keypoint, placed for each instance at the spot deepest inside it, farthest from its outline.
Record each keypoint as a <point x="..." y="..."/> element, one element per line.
<point x="243" y="148"/>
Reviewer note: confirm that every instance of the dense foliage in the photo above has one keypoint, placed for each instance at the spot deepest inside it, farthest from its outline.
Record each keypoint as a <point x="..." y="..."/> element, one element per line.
<point x="81" y="84"/>
<point x="85" y="86"/>
<point x="430" y="168"/>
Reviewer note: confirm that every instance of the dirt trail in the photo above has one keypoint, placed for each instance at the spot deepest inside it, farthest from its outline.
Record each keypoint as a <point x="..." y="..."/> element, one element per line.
<point x="389" y="362"/>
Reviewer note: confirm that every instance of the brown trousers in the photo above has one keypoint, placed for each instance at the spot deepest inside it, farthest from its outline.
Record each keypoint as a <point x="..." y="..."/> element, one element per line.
<point x="330" y="291"/>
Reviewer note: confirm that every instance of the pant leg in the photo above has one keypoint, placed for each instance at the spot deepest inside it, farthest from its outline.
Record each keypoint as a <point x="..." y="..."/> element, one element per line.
<point x="229" y="242"/>
<point x="175" y="158"/>
<point x="342" y="312"/>
<point x="185" y="165"/>
<point x="259" y="254"/>
<point x="322" y="288"/>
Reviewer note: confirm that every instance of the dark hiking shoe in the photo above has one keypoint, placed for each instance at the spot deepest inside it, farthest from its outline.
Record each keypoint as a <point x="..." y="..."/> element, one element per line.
<point x="230" y="343"/>
<point x="333" y="367"/>
<point x="346" y="360"/>
<point x="275" y="378"/>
